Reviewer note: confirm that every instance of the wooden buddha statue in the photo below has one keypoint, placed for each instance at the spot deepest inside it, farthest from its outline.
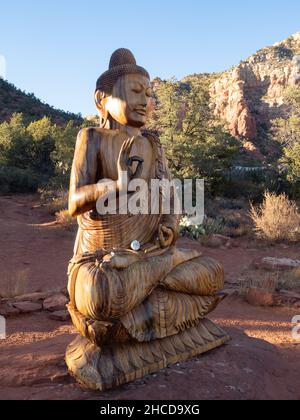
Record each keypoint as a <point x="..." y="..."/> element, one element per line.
<point x="137" y="299"/>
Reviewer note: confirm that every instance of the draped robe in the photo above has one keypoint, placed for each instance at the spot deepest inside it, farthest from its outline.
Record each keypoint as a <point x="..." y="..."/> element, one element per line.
<point x="160" y="293"/>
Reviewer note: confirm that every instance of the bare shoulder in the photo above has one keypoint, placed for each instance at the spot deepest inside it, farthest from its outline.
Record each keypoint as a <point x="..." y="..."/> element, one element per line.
<point x="90" y="137"/>
<point x="97" y="133"/>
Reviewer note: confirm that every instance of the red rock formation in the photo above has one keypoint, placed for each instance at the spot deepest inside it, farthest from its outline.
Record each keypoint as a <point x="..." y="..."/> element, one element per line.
<point x="252" y="93"/>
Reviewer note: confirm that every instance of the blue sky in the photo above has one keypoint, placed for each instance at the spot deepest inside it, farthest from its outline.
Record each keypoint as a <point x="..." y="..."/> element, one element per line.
<point x="57" y="49"/>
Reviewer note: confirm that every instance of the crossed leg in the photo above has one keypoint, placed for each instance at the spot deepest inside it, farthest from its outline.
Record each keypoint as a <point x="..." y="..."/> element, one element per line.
<point x="186" y="295"/>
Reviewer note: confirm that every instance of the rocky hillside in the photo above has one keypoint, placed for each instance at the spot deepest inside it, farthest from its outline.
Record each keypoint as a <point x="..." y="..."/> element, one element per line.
<point x="250" y="95"/>
<point x="14" y="100"/>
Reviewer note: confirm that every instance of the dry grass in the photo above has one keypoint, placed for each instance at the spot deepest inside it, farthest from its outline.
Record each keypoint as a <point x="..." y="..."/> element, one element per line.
<point x="13" y="284"/>
<point x="57" y="202"/>
<point x="268" y="283"/>
<point x="64" y="218"/>
<point x="259" y="292"/>
<point x="238" y="232"/>
<point x="290" y="280"/>
<point x="277" y="219"/>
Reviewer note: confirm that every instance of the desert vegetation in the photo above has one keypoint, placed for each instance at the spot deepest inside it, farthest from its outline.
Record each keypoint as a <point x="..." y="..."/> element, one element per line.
<point x="277" y="219"/>
<point x="36" y="155"/>
<point x="14" y="100"/>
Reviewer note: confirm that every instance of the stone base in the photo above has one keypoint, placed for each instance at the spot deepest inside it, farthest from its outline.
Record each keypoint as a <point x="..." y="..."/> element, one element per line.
<point x="112" y="366"/>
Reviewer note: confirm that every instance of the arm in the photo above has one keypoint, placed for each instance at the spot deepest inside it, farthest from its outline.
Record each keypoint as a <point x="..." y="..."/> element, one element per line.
<point x="84" y="190"/>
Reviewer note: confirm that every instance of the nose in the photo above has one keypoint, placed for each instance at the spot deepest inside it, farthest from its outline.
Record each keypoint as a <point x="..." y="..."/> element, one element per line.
<point x="144" y="100"/>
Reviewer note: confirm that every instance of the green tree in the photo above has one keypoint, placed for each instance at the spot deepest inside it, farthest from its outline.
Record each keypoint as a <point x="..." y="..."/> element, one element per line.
<point x="15" y="143"/>
<point x="287" y="133"/>
<point x="62" y="156"/>
<point x="195" y="143"/>
<point x="43" y="144"/>
<point x="40" y="150"/>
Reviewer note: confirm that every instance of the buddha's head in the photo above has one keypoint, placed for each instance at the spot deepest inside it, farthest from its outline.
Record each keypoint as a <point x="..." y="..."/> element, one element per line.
<point x="123" y="93"/>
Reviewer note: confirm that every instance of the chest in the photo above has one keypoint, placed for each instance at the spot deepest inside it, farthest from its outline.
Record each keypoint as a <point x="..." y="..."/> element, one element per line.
<point x="110" y="151"/>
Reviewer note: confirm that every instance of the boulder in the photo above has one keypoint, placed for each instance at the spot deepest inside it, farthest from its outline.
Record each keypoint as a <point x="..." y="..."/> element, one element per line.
<point x="287" y="298"/>
<point x="56" y="303"/>
<point x="218" y="241"/>
<point x="28" y="307"/>
<point x="275" y="264"/>
<point x="62" y="316"/>
<point x="31" y="297"/>
<point x="8" y="311"/>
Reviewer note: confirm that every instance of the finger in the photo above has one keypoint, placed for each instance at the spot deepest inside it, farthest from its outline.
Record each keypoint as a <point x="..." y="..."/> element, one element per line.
<point x="130" y="174"/>
<point x="124" y="146"/>
<point x="128" y="145"/>
<point x="169" y="241"/>
<point x="125" y="152"/>
<point x="167" y="230"/>
<point x="169" y="235"/>
<point x="161" y="236"/>
<point x="139" y="170"/>
<point x="123" y="156"/>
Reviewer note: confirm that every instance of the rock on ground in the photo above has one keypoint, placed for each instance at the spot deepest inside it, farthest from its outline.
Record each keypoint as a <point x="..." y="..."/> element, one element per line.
<point x="28" y="307"/>
<point x="62" y="316"/>
<point x="270" y="263"/>
<point x="56" y="303"/>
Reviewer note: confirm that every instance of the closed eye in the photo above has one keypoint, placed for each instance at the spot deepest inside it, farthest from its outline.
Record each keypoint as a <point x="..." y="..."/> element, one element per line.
<point x="137" y="90"/>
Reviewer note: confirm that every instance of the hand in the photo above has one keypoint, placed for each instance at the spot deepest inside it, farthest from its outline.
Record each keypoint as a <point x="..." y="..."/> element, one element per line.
<point x="119" y="260"/>
<point x="166" y="236"/>
<point x="124" y="165"/>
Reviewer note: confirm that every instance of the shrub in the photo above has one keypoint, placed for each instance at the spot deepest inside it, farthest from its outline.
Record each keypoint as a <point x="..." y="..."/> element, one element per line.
<point x="189" y="230"/>
<point x="64" y="218"/>
<point x="54" y="200"/>
<point x="16" y="180"/>
<point x="209" y="227"/>
<point x="277" y="219"/>
<point x="290" y="280"/>
<point x="214" y="226"/>
<point x="259" y="292"/>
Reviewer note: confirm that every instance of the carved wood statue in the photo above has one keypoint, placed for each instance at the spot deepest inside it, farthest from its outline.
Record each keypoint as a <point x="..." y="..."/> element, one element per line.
<point x="137" y="299"/>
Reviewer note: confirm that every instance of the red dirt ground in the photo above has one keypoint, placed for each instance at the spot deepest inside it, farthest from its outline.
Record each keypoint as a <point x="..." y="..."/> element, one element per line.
<point x="261" y="362"/>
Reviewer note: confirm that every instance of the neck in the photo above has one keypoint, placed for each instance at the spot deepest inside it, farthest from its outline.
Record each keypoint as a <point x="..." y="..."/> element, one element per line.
<point x="131" y="131"/>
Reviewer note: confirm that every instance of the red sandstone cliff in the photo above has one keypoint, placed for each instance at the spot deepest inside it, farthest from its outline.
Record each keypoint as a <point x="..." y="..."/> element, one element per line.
<point x="251" y="94"/>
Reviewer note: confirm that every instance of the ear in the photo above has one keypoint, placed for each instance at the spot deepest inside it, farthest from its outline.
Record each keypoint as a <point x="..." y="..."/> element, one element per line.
<point x="99" y="97"/>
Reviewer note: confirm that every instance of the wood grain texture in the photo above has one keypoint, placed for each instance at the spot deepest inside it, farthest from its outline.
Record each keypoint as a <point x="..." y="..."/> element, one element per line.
<point x="136" y="311"/>
<point x="101" y="369"/>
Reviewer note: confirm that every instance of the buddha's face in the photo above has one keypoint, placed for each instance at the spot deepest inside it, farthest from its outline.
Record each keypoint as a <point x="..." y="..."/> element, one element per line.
<point x="130" y="101"/>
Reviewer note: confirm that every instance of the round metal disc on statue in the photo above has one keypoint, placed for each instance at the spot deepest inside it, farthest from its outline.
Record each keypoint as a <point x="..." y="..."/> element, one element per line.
<point x="135" y="246"/>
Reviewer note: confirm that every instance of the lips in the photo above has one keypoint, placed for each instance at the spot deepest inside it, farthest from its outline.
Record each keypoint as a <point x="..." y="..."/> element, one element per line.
<point x="141" y="112"/>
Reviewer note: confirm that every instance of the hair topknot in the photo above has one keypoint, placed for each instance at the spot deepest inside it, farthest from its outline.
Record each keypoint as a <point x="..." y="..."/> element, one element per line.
<point x="120" y="57"/>
<point x="122" y="62"/>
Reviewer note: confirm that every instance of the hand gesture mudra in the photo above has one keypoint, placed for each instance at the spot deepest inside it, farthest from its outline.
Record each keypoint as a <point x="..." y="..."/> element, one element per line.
<point x="166" y="236"/>
<point x="125" y="165"/>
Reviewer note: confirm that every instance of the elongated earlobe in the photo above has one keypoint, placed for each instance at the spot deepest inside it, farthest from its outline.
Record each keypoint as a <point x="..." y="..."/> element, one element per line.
<point x="103" y="114"/>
